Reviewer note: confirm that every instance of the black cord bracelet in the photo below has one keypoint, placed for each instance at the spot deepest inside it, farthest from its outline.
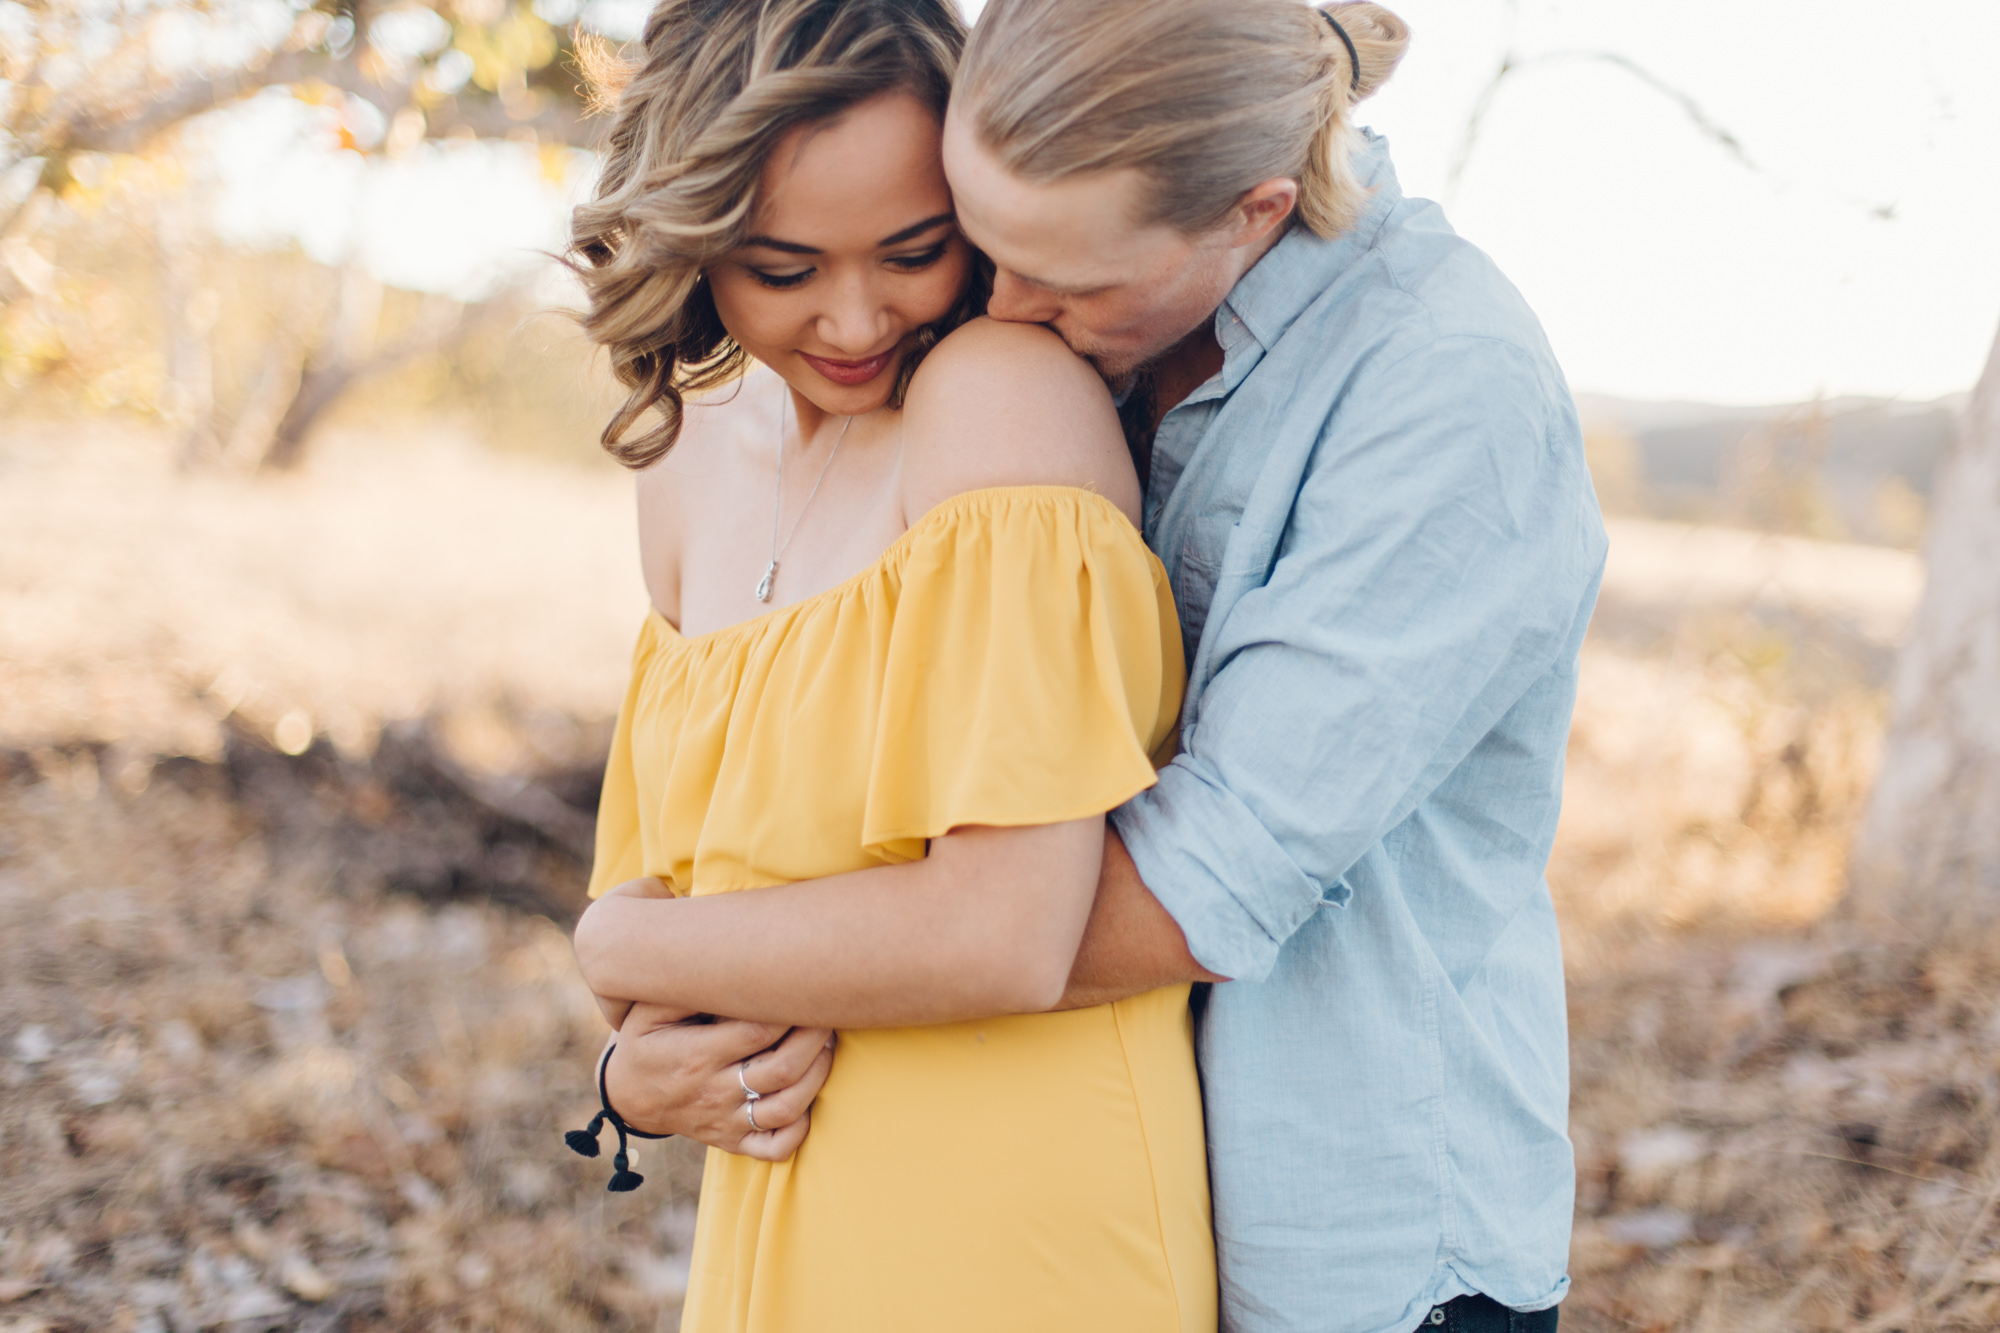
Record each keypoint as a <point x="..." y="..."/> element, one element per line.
<point x="584" y="1141"/>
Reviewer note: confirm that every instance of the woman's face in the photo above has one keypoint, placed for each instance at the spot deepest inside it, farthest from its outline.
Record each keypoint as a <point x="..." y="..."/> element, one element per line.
<point x="852" y="250"/>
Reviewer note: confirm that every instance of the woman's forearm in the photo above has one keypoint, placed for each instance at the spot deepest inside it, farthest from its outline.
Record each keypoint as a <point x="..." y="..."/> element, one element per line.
<point x="987" y="924"/>
<point x="862" y="950"/>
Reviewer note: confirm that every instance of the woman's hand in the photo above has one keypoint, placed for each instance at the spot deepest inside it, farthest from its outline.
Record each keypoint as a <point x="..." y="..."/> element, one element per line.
<point x="673" y="1076"/>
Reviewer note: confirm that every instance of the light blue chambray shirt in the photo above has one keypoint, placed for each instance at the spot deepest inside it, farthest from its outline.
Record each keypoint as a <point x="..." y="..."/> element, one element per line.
<point x="1385" y="547"/>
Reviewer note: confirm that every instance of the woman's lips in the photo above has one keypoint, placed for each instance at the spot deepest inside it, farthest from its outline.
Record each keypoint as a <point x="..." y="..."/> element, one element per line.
<point x="849" y="372"/>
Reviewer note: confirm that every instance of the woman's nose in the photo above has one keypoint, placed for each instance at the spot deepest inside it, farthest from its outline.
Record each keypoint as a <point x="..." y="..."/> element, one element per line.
<point x="857" y="319"/>
<point x="1021" y="302"/>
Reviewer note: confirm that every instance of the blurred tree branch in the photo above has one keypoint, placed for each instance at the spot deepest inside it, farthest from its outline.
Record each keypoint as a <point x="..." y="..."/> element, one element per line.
<point x="128" y="129"/>
<point x="515" y="76"/>
<point x="80" y="84"/>
<point x="1512" y="64"/>
<point x="117" y="107"/>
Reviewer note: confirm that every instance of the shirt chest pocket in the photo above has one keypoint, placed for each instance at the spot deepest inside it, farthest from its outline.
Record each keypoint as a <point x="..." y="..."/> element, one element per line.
<point x="1194" y="583"/>
<point x="1218" y="560"/>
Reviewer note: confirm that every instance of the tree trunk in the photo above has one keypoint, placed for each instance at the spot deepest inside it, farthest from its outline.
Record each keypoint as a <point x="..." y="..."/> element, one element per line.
<point x="351" y="352"/>
<point x="188" y="316"/>
<point x="342" y="357"/>
<point x="1928" y="853"/>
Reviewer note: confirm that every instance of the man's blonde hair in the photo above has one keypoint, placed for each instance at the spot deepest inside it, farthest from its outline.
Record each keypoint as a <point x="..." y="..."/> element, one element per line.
<point x="1207" y="97"/>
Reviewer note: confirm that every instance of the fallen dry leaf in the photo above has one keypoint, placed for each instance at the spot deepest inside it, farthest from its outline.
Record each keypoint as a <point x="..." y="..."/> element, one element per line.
<point x="305" y="1281"/>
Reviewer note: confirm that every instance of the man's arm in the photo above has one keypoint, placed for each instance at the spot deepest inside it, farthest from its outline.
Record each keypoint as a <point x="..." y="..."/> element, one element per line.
<point x="1433" y="564"/>
<point x="1131" y="944"/>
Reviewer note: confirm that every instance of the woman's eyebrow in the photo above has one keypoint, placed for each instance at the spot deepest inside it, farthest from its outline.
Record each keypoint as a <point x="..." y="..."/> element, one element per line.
<point x="794" y="248"/>
<point x="910" y="233"/>
<point x="772" y="243"/>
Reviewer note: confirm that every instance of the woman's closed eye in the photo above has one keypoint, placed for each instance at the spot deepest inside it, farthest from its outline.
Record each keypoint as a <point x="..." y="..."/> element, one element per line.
<point x="912" y="262"/>
<point x="920" y="260"/>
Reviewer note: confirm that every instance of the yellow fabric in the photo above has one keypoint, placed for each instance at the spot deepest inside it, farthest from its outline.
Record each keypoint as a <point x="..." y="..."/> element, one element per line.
<point x="1013" y="659"/>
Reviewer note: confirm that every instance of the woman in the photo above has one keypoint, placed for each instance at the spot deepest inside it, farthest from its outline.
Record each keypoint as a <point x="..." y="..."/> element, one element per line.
<point x="904" y="631"/>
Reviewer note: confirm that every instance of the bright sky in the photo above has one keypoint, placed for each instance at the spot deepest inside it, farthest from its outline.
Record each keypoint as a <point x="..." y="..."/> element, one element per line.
<point x="462" y="216"/>
<point x="1661" y="265"/>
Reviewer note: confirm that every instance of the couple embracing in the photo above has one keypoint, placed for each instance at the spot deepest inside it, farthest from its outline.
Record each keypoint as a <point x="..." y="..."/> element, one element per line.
<point x="1110" y="662"/>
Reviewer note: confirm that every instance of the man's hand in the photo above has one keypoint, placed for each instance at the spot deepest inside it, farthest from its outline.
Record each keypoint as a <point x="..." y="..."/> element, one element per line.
<point x="673" y="1076"/>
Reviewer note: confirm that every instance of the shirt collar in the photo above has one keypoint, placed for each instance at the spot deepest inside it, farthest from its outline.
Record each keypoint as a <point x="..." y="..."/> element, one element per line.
<point x="1292" y="274"/>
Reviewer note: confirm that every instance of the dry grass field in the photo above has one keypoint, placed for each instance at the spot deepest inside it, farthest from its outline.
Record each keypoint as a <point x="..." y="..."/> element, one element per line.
<point x="289" y="1027"/>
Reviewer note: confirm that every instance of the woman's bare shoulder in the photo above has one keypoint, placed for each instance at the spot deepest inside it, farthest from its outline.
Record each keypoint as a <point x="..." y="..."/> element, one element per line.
<point x="998" y="404"/>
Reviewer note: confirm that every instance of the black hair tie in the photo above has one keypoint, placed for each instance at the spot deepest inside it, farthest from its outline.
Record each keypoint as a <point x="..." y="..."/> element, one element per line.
<point x="1353" y="60"/>
<point x="584" y="1141"/>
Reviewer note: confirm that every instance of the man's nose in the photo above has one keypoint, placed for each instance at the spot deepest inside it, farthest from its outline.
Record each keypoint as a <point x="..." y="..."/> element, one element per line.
<point x="1021" y="302"/>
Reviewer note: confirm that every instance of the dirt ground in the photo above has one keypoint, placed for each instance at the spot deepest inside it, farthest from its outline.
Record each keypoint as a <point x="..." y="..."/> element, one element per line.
<point x="290" y="781"/>
<point x="397" y="577"/>
<point x="242" y="1094"/>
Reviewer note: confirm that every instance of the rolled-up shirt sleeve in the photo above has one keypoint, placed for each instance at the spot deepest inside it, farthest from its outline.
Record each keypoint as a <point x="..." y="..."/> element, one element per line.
<point x="1429" y="571"/>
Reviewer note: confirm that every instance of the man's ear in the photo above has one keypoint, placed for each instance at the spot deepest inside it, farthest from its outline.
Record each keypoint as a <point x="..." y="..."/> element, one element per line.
<point x="1262" y="209"/>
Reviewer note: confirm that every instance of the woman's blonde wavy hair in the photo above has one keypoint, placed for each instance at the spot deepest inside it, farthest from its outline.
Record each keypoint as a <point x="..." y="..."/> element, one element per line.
<point x="717" y="85"/>
<point x="1207" y="97"/>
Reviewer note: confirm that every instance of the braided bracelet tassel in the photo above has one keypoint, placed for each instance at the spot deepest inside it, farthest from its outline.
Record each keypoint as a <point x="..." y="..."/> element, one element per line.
<point x="584" y="1142"/>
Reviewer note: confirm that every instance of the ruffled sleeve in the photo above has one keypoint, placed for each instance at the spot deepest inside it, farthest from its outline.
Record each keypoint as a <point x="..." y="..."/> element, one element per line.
<point x="1032" y="673"/>
<point x="619" y="852"/>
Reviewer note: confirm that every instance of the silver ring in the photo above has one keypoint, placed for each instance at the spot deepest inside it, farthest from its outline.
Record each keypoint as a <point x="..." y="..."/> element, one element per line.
<point x="750" y="1112"/>
<point x="750" y="1094"/>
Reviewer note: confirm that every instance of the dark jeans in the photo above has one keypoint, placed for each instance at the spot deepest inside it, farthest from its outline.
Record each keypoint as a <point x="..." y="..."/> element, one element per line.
<point x="1483" y="1314"/>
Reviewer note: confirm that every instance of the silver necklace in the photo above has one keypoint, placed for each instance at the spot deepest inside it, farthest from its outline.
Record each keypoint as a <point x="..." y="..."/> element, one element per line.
<point x="778" y="503"/>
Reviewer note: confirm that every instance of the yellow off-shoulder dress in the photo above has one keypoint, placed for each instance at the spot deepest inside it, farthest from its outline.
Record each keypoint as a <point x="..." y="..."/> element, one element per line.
<point x="1012" y="659"/>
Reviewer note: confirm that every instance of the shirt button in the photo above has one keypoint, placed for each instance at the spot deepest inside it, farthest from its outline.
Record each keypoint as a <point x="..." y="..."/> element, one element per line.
<point x="1437" y="1314"/>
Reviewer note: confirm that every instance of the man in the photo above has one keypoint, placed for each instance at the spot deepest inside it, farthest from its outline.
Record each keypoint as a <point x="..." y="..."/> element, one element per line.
<point x="1365" y="476"/>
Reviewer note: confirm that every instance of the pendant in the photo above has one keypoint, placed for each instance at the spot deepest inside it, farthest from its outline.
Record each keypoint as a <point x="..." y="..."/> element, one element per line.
<point x="764" y="584"/>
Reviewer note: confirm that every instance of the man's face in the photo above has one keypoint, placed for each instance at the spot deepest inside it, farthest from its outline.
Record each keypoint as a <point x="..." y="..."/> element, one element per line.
<point x="1072" y="255"/>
